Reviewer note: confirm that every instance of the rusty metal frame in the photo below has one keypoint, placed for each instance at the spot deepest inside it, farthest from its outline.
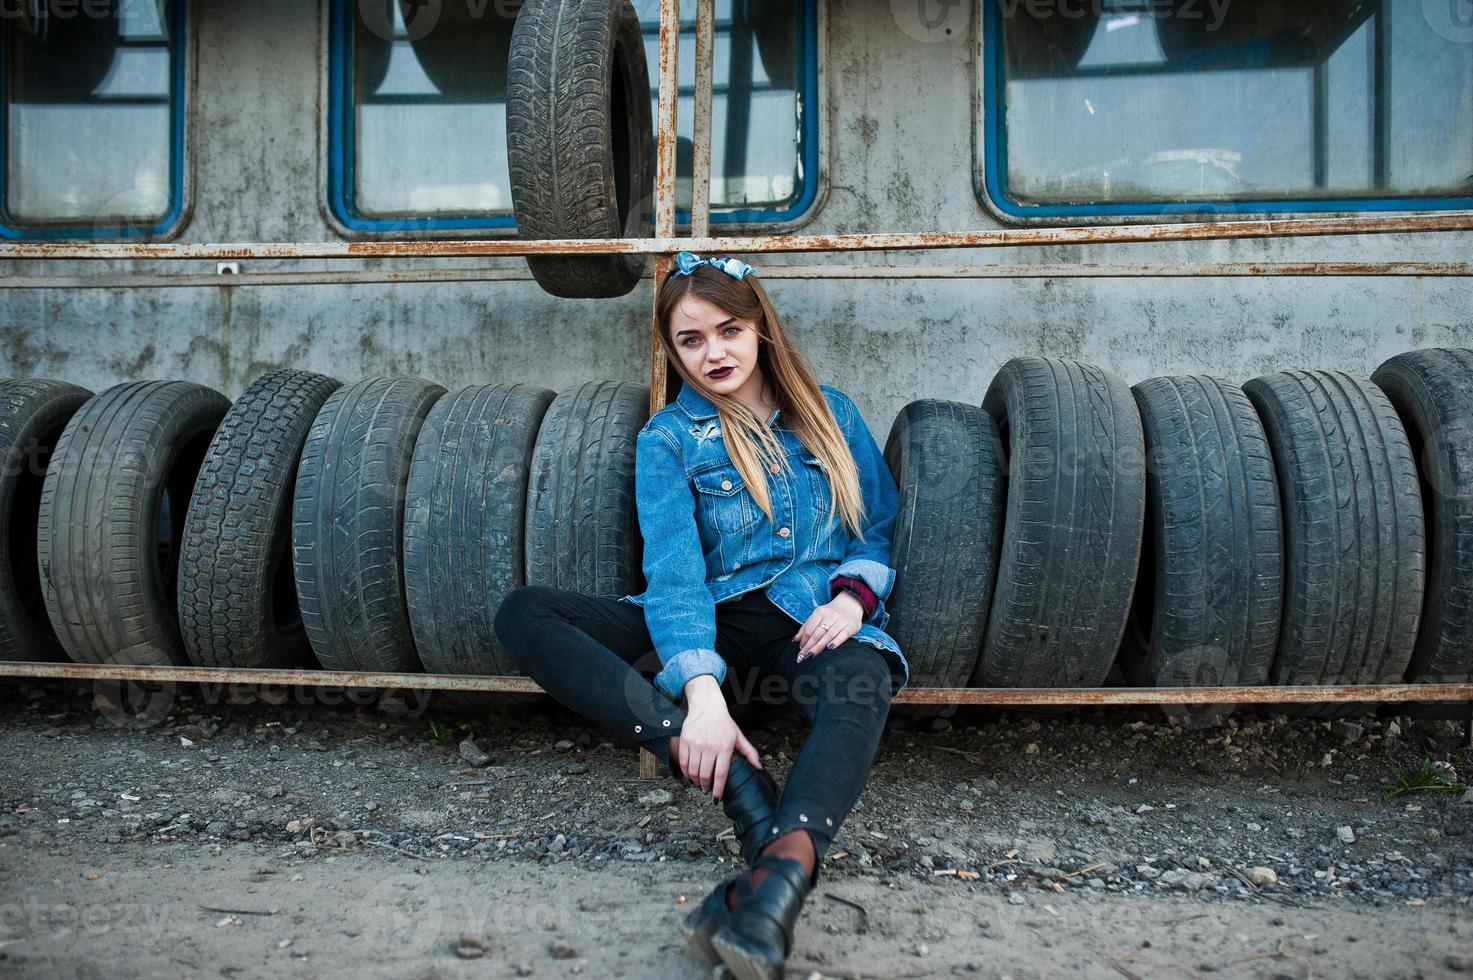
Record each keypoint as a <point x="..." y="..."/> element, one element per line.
<point x="868" y="270"/>
<point x="662" y="247"/>
<point x="499" y="684"/>
<point x="665" y="244"/>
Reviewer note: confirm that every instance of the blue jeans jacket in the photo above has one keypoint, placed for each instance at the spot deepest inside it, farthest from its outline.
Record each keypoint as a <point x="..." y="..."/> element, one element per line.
<point x="706" y="540"/>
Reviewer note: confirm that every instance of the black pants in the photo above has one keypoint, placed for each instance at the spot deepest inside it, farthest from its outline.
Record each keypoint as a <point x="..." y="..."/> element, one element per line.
<point x="593" y="654"/>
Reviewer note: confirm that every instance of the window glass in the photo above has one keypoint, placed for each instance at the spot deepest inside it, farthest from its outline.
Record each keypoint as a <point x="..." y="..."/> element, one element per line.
<point x="1301" y="102"/>
<point x="760" y="59"/>
<point x="424" y="132"/>
<point x="429" y="108"/>
<point x="93" y="113"/>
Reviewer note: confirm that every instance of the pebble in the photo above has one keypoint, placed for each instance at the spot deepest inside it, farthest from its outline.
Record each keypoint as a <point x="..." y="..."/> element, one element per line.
<point x="656" y="797"/>
<point x="472" y="946"/>
<point x="1346" y="834"/>
<point x="1262" y="876"/>
<point x="1016" y="898"/>
<point x="474" y="754"/>
<point x="562" y="951"/>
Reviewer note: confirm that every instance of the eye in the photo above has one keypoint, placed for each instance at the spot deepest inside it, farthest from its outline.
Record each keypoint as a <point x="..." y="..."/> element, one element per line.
<point x="732" y="328"/>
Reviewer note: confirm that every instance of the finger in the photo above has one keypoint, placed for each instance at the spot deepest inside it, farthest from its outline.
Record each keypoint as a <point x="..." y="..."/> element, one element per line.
<point x="820" y="637"/>
<point x="685" y="760"/>
<point x="749" y="750"/>
<point x="708" y="770"/>
<point x="840" y="637"/>
<point x="807" y="646"/>
<point x="718" y="776"/>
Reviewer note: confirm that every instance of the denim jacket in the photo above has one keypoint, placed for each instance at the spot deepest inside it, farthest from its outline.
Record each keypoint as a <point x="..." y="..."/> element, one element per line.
<point x="706" y="540"/>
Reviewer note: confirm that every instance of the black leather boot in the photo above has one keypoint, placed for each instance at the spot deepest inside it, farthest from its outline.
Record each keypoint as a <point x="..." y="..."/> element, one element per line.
<point x="757" y="935"/>
<point x="750" y="800"/>
<point x="702" y="921"/>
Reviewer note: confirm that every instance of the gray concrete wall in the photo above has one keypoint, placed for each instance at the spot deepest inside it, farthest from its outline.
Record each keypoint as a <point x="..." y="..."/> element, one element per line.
<point x="897" y="129"/>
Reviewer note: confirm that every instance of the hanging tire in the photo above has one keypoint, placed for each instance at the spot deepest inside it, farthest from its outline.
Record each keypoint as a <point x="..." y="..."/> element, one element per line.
<point x="579" y="139"/>
<point x="237" y="595"/>
<point x="32" y="417"/>
<point x="582" y="531"/>
<point x="947" y="462"/>
<point x="463" y="523"/>
<point x="1072" y="529"/>
<point x="347" y="524"/>
<point x="1208" y="599"/>
<point x="1432" y="392"/>
<point x="1353" y="538"/>
<point x="111" y="525"/>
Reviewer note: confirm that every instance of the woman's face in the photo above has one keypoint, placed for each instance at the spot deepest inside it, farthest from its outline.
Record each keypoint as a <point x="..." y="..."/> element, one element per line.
<point x="709" y="339"/>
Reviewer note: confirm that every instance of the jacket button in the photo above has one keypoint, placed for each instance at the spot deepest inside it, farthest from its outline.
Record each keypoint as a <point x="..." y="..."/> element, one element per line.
<point x="783" y="531"/>
<point x="726" y="484"/>
<point x="773" y="468"/>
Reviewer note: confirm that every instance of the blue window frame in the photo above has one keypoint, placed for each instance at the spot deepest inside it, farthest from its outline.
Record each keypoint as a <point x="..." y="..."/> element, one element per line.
<point x="1132" y="107"/>
<point x="416" y="118"/>
<point x="92" y="142"/>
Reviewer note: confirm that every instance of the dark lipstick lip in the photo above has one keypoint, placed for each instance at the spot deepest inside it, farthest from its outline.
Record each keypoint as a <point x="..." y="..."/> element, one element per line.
<point x="720" y="372"/>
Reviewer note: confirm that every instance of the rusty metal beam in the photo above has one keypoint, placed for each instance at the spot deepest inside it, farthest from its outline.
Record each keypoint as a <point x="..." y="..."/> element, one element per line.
<point x="667" y="244"/>
<point x="1077" y="270"/>
<point x="665" y="166"/>
<point x="916" y="695"/>
<point x="700" y="174"/>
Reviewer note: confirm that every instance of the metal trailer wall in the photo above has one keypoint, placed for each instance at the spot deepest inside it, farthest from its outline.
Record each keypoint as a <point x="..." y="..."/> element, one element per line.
<point x="897" y="145"/>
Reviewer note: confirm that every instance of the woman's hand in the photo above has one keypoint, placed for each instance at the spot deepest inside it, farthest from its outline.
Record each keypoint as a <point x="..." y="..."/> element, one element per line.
<point x="843" y="613"/>
<point x="709" y="736"/>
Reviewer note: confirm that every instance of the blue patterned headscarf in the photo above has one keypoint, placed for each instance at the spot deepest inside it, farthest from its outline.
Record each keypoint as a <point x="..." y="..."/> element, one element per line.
<point x="686" y="262"/>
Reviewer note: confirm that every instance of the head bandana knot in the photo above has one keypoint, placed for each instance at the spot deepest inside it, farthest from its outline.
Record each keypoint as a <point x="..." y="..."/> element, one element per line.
<point x="686" y="262"/>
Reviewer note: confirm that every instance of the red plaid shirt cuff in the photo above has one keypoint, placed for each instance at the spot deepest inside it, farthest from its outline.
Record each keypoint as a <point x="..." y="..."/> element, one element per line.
<point x="859" y="590"/>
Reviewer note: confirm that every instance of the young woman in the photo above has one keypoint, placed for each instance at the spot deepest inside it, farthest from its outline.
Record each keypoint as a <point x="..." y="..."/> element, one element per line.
<point x="767" y="512"/>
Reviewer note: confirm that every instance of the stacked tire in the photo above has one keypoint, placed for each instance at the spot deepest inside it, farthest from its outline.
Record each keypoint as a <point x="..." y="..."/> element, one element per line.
<point x="1188" y="532"/>
<point x="1310" y="527"/>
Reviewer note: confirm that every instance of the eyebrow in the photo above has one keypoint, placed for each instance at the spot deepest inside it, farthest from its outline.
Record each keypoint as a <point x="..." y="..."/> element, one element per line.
<point x="682" y="333"/>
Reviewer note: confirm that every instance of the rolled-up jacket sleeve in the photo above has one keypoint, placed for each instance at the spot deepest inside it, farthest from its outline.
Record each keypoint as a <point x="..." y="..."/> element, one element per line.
<point x="870" y="560"/>
<point x="678" y="608"/>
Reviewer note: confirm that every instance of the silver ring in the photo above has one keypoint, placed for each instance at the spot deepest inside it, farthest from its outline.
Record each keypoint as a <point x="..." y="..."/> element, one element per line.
<point x="823" y="626"/>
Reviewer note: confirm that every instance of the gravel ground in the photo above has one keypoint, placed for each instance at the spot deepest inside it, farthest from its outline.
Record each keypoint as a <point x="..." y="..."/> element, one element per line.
<point x="242" y="832"/>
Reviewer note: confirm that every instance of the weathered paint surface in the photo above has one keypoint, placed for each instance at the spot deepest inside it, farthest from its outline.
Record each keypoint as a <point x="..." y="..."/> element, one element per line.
<point x="898" y="136"/>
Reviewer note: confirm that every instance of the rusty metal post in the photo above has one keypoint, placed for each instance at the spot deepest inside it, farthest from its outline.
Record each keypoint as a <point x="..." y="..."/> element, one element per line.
<point x="700" y="171"/>
<point x="665" y="123"/>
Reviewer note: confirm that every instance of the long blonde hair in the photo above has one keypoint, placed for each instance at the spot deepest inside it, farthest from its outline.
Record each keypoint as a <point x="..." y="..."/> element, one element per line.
<point x="749" y="442"/>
